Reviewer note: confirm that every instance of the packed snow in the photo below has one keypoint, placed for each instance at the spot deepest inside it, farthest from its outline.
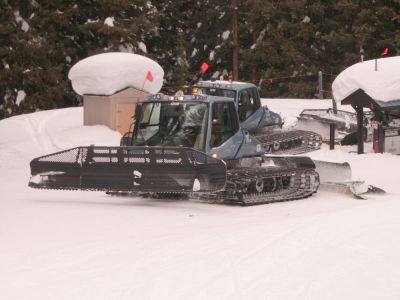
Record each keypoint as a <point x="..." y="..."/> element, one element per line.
<point x="89" y="245"/>
<point x="225" y="35"/>
<point x="109" y="21"/>
<point x="142" y="46"/>
<point x="20" y="97"/>
<point x="379" y="78"/>
<point x="24" y="25"/>
<point x="108" y="73"/>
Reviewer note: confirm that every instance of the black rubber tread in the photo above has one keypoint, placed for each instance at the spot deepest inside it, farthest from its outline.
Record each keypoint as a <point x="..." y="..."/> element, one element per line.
<point x="233" y="195"/>
<point x="304" y="182"/>
<point x="290" y="142"/>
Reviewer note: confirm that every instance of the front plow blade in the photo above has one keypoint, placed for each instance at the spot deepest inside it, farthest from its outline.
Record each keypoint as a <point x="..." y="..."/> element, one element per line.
<point x="336" y="177"/>
<point x="145" y="169"/>
<point x="333" y="172"/>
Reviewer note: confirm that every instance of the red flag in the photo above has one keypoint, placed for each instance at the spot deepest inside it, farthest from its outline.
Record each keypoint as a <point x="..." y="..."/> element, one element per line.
<point x="204" y="67"/>
<point x="149" y="76"/>
<point x="385" y="52"/>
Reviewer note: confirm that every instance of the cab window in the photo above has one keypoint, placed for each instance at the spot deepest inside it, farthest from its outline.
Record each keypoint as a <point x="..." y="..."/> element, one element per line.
<point x="149" y="122"/>
<point x="224" y="123"/>
<point x="248" y="103"/>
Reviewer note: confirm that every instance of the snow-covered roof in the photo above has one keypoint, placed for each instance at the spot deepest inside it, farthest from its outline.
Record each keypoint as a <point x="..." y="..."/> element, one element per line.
<point x="379" y="78"/>
<point x="233" y="85"/>
<point x="108" y="73"/>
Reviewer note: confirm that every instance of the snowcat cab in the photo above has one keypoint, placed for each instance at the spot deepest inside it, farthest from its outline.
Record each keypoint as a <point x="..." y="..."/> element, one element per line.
<point x="205" y="123"/>
<point x="251" y="113"/>
<point x="259" y="120"/>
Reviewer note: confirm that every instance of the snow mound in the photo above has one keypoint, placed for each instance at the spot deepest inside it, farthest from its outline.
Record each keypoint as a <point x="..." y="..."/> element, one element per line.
<point x="108" y="73"/>
<point x="57" y="244"/>
<point x="50" y="131"/>
<point x="224" y="82"/>
<point x="379" y="79"/>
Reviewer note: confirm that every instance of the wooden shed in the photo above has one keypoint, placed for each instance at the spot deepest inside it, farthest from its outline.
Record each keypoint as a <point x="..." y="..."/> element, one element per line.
<point x="115" y="111"/>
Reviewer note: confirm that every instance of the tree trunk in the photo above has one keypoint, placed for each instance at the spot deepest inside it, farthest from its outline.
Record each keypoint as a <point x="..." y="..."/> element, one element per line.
<point x="235" y="63"/>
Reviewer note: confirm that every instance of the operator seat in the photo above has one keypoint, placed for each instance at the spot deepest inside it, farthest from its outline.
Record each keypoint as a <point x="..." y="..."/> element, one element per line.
<point x="243" y="106"/>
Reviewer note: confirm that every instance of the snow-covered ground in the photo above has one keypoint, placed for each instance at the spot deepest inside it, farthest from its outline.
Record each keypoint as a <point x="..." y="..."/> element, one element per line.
<point x="88" y="245"/>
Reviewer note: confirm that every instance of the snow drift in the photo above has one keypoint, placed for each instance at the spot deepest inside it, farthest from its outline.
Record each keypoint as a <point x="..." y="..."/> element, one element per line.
<point x="108" y="73"/>
<point x="380" y="79"/>
<point x="89" y="245"/>
<point x="49" y="131"/>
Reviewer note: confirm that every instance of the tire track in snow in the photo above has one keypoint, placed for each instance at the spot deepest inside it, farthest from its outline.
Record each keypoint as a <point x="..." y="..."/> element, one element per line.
<point x="41" y="135"/>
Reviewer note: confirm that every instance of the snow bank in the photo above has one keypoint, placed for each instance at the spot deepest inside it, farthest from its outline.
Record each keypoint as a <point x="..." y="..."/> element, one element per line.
<point x="108" y="73"/>
<point x="49" y="131"/>
<point x="380" y="79"/>
<point x="89" y="245"/>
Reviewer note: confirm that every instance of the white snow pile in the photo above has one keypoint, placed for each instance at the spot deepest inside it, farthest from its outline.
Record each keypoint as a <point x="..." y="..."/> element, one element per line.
<point x="58" y="244"/>
<point x="50" y="131"/>
<point x="379" y="78"/>
<point x="222" y="82"/>
<point x="20" y="97"/>
<point x="108" y="73"/>
<point x="24" y="25"/>
<point x="109" y="22"/>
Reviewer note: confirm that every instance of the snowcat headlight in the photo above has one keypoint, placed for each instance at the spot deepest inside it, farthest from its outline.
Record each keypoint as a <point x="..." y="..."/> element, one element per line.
<point x="195" y="90"/>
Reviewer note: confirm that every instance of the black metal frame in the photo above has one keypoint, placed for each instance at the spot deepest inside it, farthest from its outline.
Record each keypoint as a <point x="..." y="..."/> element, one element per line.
<point x="360" y="99"/>
<point x="153" y="169"/>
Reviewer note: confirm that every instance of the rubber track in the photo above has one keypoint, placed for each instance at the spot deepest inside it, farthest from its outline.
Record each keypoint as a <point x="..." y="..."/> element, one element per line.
<point x="303" y="184"/>
<point x="290" y="142"/>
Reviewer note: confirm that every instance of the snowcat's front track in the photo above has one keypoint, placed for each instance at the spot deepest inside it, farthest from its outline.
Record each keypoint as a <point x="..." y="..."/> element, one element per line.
<point x="289" y="142"/>
<point x="144" y="169"/>
<point x="279" y="179"/>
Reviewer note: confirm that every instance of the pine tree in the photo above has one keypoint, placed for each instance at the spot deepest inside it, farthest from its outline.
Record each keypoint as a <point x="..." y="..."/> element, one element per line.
<point x="211" y="38"/>
<point x="44" y="40"/>
<point x="292" y="40"/>
<point x="282" y="44"/>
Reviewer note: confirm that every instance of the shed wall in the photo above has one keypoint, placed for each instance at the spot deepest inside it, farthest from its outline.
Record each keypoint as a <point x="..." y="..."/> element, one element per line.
<point x="97" y="110"/>
<point x="112" y="110"/>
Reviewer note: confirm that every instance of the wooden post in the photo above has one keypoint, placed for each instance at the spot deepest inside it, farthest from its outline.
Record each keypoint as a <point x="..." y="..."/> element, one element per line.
<point x="381" y="138"/>
<point x="320" y="89"/>
<point x="235" y="60"/>
<point x="360" y="129"/>
<point x="331" y="136"/>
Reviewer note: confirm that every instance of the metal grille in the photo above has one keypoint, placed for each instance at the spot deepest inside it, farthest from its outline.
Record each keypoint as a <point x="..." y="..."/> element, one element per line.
<point x="156" y="169"/>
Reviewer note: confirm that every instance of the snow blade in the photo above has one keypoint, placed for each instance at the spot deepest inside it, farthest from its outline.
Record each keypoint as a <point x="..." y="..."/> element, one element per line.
<point x="333" y="172"/>
<point x="358" y="189"/>
<point x="337" y="177"/>
<point x="147" y="169"/>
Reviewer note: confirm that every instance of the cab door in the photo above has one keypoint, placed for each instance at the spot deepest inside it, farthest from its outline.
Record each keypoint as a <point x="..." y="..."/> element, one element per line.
<point x="224" y="137"/>
<point x="249" y="108"/>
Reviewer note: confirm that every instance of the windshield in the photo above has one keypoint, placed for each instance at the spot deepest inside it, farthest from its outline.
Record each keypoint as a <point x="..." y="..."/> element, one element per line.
<point x="172" y="124"/>
<point x="214" y="92"/>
